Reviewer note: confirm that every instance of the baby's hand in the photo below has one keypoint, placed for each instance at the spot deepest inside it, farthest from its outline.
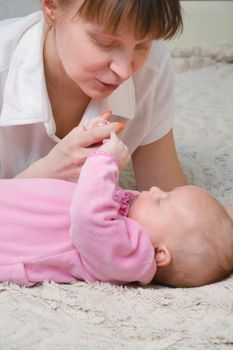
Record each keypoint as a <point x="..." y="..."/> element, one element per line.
<point x="99" y="122"/>
<point x="116" y="147"/>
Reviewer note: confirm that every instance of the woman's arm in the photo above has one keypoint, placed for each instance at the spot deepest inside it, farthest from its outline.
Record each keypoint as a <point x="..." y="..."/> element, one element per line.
<point x="157" y="164"/>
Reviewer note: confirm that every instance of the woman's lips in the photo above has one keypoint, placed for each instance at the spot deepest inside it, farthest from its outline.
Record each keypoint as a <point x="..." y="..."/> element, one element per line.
<point x="105" y="86"/>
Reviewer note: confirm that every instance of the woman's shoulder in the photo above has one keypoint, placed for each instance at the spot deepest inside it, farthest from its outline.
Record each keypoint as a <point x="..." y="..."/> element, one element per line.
<point x="11" y="31"/>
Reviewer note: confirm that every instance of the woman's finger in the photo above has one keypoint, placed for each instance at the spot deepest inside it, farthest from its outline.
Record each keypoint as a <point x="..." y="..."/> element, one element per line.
<point x="94" y="135"/>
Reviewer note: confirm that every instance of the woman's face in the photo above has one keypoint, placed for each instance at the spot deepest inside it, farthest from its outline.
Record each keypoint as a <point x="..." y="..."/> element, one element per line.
<point x="97" y="61"/>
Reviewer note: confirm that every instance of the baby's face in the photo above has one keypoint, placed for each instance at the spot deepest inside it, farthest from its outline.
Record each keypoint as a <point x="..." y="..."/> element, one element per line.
<point x="168" y="214"/>
<point x="190" y="232"/>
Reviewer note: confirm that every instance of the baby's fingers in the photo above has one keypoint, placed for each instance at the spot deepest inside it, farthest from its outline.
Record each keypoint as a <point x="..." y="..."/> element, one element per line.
<point x="94" y="135"/>
<point x="106" y="140"/>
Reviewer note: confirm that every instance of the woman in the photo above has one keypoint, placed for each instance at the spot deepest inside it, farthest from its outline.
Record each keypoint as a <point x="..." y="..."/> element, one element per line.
<point x="74" y="61"/>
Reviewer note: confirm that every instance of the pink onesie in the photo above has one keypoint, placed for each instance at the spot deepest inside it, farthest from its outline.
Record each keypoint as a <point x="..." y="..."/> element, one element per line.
<point x="60" y="231"/>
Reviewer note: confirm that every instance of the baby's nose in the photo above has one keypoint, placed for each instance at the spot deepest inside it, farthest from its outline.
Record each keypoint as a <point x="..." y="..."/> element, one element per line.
<point x="156" y="190"/>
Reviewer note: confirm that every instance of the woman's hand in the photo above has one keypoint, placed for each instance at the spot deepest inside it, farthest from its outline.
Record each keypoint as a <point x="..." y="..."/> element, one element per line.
<point x="65" y="160"/>
<point x="117" y="148"/>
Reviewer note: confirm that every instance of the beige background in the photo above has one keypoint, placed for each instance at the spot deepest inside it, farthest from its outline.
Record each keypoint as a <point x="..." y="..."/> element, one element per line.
<point x="206" y="21"/>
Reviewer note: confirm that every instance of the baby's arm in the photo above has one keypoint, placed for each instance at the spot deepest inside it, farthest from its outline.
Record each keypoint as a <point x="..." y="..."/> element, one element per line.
<point x="117" y="149"/>
<point x="112" y="248"/>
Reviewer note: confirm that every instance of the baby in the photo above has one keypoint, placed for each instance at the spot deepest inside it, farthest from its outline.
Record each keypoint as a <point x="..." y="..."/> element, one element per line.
<point x="191" y="232"/>
<point x="57" y="230"/>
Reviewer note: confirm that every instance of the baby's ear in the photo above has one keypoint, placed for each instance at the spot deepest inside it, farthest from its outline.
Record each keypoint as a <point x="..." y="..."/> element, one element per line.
<point x="162" y="255"/>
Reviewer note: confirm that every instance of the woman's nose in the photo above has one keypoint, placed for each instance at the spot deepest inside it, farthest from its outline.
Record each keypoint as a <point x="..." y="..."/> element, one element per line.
<point x="122" y="66"/>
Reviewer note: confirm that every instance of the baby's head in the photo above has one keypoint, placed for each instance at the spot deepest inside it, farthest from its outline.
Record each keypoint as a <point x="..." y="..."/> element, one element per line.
<point x="191" y="232"/>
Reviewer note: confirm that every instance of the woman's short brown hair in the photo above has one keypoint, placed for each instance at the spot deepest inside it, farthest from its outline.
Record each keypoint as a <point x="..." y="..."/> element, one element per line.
<point x="160" y="19"/>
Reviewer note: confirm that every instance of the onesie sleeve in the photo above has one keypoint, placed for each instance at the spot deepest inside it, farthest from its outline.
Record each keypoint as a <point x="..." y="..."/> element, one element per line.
<point x="113" y="248"/>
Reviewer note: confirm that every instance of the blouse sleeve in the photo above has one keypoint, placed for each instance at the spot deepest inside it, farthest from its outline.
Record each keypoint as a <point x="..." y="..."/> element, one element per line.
<point x="161" y="96"/>
<point x="154" y="88"/>
<point x="113" y="248"/>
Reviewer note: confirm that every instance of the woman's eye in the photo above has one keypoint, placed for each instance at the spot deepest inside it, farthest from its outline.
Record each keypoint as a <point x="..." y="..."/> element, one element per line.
<point x="104" y="44"/>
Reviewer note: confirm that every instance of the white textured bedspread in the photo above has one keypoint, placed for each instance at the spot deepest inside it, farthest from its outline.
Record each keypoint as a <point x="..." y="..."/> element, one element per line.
<point x="101" y="316"/>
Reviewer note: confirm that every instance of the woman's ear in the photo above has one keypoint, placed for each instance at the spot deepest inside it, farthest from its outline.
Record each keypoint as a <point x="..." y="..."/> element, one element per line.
<point x="162" y="255"/>
<point x="49" y="9"/>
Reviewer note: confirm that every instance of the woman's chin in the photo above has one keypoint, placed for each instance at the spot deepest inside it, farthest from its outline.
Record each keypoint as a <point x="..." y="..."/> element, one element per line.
<point x="97" y="95"/>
